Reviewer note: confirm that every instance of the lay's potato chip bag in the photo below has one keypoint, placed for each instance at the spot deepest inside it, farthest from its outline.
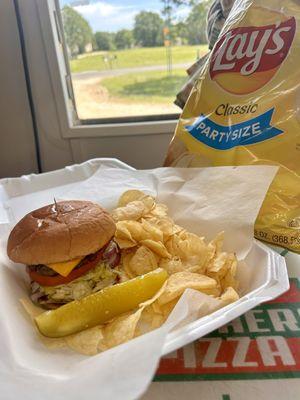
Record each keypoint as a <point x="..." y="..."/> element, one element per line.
<point x="245" y="109"/>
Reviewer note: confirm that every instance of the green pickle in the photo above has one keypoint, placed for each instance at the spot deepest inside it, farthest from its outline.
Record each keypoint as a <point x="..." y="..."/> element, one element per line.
<point x="100" y="307"/>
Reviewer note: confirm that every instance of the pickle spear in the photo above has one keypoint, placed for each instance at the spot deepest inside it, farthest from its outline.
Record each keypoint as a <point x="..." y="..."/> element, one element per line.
<point x="100" y="307"/>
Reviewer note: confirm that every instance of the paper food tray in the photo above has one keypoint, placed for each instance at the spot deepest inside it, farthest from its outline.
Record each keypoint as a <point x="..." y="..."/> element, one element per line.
<point x="28" y="366"/>
<point x="263" y="277"/>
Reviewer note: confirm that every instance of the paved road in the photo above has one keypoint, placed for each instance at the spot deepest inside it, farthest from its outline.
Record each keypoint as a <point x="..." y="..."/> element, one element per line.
<point x="117" y="72"/>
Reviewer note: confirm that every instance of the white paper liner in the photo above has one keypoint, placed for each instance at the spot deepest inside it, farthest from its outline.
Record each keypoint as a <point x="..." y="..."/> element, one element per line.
<point x="205" y="201"/>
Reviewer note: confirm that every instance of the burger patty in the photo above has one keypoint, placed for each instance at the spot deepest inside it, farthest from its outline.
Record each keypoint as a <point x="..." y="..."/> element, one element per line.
<point x="111" y="256"/>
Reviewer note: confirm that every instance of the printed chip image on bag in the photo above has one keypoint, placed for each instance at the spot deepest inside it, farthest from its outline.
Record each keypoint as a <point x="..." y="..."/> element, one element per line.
<point x="245" y="109"/>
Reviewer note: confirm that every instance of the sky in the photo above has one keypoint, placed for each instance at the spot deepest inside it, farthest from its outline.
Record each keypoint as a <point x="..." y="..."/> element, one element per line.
<point x="113" y="15"/>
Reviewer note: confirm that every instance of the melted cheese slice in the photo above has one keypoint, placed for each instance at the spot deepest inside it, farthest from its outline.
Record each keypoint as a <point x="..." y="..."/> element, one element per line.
<point x="64" y="268"/>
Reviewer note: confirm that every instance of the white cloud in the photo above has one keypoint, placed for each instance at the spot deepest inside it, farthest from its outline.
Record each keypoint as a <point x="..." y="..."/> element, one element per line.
<point x="100" y="8"/>
<point x="103" y="16"/>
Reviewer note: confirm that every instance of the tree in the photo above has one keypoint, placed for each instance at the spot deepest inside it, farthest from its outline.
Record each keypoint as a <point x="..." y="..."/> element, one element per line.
<point x="196" y="24"/>
<point x="171" y="6"/>
<point x="179" y="33"/>
<point x="77" y="30"/>
<point x="148" y="29"/>
<point x="124" y="39"/>
<point x="104" y="40"/>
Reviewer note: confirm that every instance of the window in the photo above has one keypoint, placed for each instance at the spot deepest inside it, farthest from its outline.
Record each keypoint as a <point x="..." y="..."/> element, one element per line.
<point x="121" y="63"/>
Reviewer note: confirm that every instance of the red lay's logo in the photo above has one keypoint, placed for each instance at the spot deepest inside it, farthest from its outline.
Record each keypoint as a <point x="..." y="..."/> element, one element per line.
<point x="246" y="58"/>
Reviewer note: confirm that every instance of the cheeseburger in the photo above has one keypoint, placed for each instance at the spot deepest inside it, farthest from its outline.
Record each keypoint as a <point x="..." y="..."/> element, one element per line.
<point x="68" y="249"/>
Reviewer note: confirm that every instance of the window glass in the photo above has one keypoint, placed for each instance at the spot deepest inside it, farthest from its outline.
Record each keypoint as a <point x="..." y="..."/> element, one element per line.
<point x="128" y="58"/>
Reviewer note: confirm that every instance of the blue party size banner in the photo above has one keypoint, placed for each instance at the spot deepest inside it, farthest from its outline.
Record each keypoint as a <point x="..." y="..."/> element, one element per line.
<point x="224" y="137"/>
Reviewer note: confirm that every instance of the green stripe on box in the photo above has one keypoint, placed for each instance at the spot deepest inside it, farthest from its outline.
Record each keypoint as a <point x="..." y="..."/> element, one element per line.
<point x="254" y="335"/>
<point x="296" y="281"/>
<point x="284" y="252"/>
<point x="225" y="397"/>
<point x="228" y="377"/>
<point x="266" y="321"/>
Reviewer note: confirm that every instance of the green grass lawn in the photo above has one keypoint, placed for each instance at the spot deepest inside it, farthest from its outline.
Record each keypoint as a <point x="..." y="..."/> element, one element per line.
<point x="154" y="86"/>
<point x="138" y="57"/>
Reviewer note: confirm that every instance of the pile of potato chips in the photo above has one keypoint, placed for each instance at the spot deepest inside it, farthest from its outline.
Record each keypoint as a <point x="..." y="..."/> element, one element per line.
<point x="149" y="239"/>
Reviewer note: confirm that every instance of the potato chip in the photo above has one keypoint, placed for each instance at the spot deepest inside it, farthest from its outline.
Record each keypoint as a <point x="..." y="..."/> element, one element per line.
<point x="168" y="308"/>
<point x="147" y="315"/>
<point x="125" y="244"/>
<point x="160" y="210"/>
<point x="129" y="196"/>
<point x="217" y="242"/>
<point x="157" y="321"/>
<point x="53" y="343"/>
<point x="157" y="308"/>
<point x="229" y="296"/>
<point x="149" y="320"/>
<point x="172" y="265"/>
<point x="152" y="315"/>
<point x="123" y="236"/>
<point x="151" y="231"/>
<point x="136" y="231"/>
<point x="129" y="230"/>
<point x="155" y="315"/>
<point x="86" y="342"/>
<point x="229" y="279"/>
<point x="210" y="254"/>
<point x="159" y="313"/>
<point x="178" y="282"/>
<point x="197" y="252"/>
<point x="166" y="225"/>
<point x="149" y="204"/>
<point x="173" y="246"/>
<point x="232" y="260"/>
<point x="121" y="329"/>
<point x="219" y="266"/>
<point x="157" y="247"/>
<point x="132" y="211"/>
<point x="142" y="261"/>
<point x="223" y="270"/>
<point x="199" y="269"/>
<point x="125" y="262"/>
<point x="191" y="249"/>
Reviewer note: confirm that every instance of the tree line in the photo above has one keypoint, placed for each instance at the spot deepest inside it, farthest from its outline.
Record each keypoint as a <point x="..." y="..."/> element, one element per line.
<point x="148" y="31"/>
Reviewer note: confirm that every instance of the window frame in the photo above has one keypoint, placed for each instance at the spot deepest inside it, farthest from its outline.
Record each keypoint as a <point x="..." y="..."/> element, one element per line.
<point x="60" y="75"/>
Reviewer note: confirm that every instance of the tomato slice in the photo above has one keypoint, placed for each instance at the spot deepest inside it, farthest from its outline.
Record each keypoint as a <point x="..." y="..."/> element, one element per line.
<point x="88" y="263"/>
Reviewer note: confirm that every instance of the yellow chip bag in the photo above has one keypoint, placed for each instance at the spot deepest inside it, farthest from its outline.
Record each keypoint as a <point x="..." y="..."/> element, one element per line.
<point x="244" y="109"/>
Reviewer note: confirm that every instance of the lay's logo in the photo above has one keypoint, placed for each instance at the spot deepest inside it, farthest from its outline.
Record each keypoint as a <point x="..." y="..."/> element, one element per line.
<point x="246" y="58"/>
